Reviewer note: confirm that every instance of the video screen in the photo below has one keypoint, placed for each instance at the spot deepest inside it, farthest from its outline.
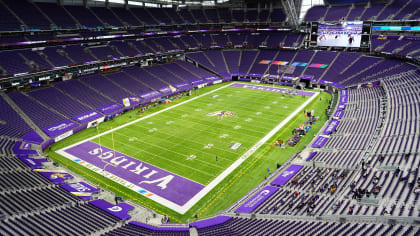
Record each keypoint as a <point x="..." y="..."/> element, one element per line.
<point x="340" y="34"/>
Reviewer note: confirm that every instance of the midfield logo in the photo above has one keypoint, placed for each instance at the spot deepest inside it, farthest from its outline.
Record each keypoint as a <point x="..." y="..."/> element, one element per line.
<point x="222" y="114"/>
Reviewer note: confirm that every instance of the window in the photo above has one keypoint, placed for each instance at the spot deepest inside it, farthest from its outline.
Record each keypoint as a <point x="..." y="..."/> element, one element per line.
<point x="306" y="4"/>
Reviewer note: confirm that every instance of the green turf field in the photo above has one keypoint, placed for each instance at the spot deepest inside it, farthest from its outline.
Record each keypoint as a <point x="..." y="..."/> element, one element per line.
<point x="185" y="140"/>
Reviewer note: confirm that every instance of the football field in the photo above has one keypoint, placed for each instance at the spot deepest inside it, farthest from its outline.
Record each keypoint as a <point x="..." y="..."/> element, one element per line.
<point x="181" y="152"/>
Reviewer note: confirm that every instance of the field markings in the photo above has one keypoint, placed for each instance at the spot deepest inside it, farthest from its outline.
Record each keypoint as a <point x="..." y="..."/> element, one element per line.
<point x="247" y="154"/>
<point x="183" y="209"/>
<point x="143" y="118"/>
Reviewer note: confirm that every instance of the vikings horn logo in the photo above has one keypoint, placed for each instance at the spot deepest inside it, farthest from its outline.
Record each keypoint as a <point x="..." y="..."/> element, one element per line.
<point x="222" y="114"/>
<point x="58" y="175"/>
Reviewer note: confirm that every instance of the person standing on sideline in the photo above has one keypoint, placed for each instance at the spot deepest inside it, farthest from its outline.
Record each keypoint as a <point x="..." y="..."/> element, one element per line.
<point x="216" y="158"/>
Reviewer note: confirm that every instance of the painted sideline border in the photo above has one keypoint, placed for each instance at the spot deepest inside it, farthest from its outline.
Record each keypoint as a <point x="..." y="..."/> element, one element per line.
<point x="183" y="209"/>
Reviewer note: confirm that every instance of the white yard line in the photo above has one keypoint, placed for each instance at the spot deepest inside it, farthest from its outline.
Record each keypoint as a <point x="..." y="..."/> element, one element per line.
<point x="183" y="209"/>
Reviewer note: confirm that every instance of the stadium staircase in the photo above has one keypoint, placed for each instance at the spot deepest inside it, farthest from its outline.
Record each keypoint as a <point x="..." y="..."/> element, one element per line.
<point x="397" y="50"/>
<point x="30" y="63"/>
<point x="291" y="62"/>
<point x="380" y="12"/>
<point x="45" y="105"/>
<point x="24" y="116"/>
<point x="375" y="76"/>
<point x="325" y="14"/>
<point x="66" y="55"/>
<point x="296" y="43"/>
<point x="139" y="80"/>
<point x="74" y="98"/>
<point x="253" y="62"/>
<point x="88" y="51"/>
<point x="72" y="17"/>
<point x="380" y="47"/>
<point x="131" y="44"/>
<point x="152" y="16"/>
<point x="93" y="13"/>
<point x="224" y="62"/>
<point x="361" y="71"/>
<point x="117" y="17"/>
<point x="348" y="12"/>
<point x="270" y="65"/>
<point x="364" y="11"/>
<point x="174" y="74"/>
<point x="97" y="90"/>
<point x="309" y="63"/>
<point x="330" y="65"/>
<point x="45" y="57"/>
<point x="283" y="41"/>
<point x="13" y="13"/>
<point x="135" y="16"/>
<point x="350" y="65"/>
<point x="118" y="85"/>
<point x="413" y="52"/>
<point x="42" y="13"/>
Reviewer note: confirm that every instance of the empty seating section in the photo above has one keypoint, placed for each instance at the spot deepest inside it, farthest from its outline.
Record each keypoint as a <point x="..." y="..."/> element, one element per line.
<point x="260" y="68"/>
<point x="11" y="124"/>
<point x="232" y="60"/>
<point x="78" y="90"/>
<point x="106" y="86"/>
<point x="398" y="45"/>
<point x="78" y="54"/>
<point x="33" y="56"/>
<point x="126" y="17"/>
<point x="67" y="220"/>
<point x="401" y="133"/>
<point x="104" y="52"/>
<point x="247" y="58"/>
<point x="124" y="80"/>
<point x="13" y="62"/>
<point x="283" y="55"/>
<point x="321" y="57"/>
<point x="57" y="14"/>
<point x="162" y="74"/>
<point x="106" y="16"/>
<point x="59" y="101"/>
<point x="147" y="77"/>
<point x="143" y="15"/>
<point x="56" y="58"/>
<point x="84" y="16"/>
<point x="28" y="13"/>
<point x="39" y="114"/>
<point x="246" y="226"/>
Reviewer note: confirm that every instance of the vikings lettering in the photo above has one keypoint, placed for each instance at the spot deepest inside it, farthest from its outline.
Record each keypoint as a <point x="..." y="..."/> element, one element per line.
<point x="134" y="167"/>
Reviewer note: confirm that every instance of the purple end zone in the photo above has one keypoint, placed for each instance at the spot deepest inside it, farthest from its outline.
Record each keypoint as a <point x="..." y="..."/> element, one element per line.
<point x="257" y="199"/>
<point x="270" y="89"/>
<point x="158" y="181"/>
